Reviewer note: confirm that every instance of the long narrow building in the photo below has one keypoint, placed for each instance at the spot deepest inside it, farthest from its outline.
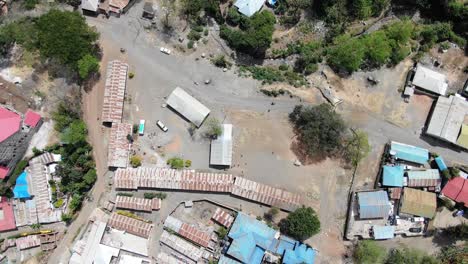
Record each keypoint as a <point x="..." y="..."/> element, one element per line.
<point x="114" y="92"/>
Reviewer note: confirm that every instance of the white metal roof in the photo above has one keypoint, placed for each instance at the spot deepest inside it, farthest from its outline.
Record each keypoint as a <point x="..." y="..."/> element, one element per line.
<point x="188" y="106"/>
<point x="249" y="7"/>
<point x="90" y="5"/>
<point x="430" y="80"/>
<point x="221" y="148"/>
<point x="448" y="117"/>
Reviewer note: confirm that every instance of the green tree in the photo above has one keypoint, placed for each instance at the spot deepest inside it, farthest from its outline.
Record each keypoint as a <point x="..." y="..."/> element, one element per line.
<point x="213" y="128"/>
<point x="301" y="224"/>
<point x="453" y="254"/>
<point x="407" y="255"/>
<point x="357" y="147"/>
<point x="320" y="129"/>
<point x="378" y="49"/>
<point x="368" y="252"/>
<point x="362" y="8"/>
<point x="67" y="218"/>
<point x="75" y="133"/>
<point x="346" y="54"/>
<point x="176" y="163"/>
<point x="379" y="5"/>
<point x="135" y="161"/>
<point x="87" y="66"/>
<point x="65" y="36"/>
<point x="30" y="4"/>
<point x="90" y="177"/>
<point x="75" y="203"/>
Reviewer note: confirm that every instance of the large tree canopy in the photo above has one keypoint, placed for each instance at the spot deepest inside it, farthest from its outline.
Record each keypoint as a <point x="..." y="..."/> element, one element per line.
<point x="65" y="36"/>
<point x="320" y="128"/>
<point x="301" y="224"/>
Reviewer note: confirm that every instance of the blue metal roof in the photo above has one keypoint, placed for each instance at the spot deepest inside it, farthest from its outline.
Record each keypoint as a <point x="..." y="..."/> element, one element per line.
<point x="373" y="204"/>
<point x="384" y="232"/>
<point x="440" y="163"/>
<point x="409" y="153"/>
<point x="242" y="247"/>
<point x="21" y="190"/>
<point x="393" y="176"/>
<point x="257" y="256"/>
<point x="432" y="174"/>
<point x="301" y="254"/>
<point x="226" y="260"/>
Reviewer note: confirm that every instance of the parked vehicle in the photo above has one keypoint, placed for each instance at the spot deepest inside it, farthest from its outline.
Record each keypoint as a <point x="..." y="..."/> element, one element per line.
<point x="162" y="126"/>
<point x="141" y="127"/>
<point x="165" y="50"/>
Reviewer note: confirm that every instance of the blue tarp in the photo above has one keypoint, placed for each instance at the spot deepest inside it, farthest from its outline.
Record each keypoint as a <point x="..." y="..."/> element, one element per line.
<point x="21" y="190"/>
<point x="373" y="204"/>
<point x="409" y="153"/>
<point x="272" y="2"/>
<point x="301" y="254"/>
<point x="440" y="163"/>
<point x="393" y="176"/>
<point x="384" y="232"/>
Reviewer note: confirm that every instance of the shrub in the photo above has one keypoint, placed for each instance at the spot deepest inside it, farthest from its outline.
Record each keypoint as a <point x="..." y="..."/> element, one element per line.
<point x="59" y="203"/>
<point x="347" y="53"/>
<point x="87" y="65"/>
<point x="30" y="4"/>
<point x="270" y="215"/>
<point x="67" y="218"/>
<point x="301" y="224"/>
<point x="213" y="128"/>
<point x="222" y="232"/>
<point x="194" y="35"/>
<point x="159" y="195"/>
<point x="205" y="32"/>
<point x="125" y="194"/>
<point x="221" y="61"/>
<point x="135" y="161"/>
<point x="176" y="163"/>
<point x="131" y="75"/>
<point x="320" y="128"/>
<point x="369" y="252"/>
<point x="188" y="163"/>
<point x="19" y="168"/>
<point x="283" y="67"/>
<point x="36" y="151"/>
<point x="190" y="44"/>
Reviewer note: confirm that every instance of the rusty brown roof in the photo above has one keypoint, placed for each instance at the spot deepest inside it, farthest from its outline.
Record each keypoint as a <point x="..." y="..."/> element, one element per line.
<point x="266" y="194"/>
<point x="163" y="178"/>
<point x="114" y="91"/>
<point x="119" y="146"/>
<point x="138" y="204"/>
<point x="223" y="217"/>
<point x="193" y="234"/>
<point x="130" y="225"/>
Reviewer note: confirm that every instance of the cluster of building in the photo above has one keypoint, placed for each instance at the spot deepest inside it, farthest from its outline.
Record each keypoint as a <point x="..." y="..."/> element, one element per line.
<point x="113" y="238"/>
<point x="448" y="120"/>
<point x="248" y="240"/>
<point x="410" y="183"/>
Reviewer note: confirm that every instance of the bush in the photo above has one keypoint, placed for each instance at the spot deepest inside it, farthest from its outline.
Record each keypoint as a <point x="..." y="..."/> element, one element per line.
<point x="59" y="203"/>
<point x="233" y="16"/>
<point x="320" y="129"/>
<point x="221" y="61"/>
<point x="135" y="161"/>
<point x="87" y="66"/>
<point x="67" y="218"/>
<point x="347" y="54"/>
<point x="368" y="252"/>
<point x="36" y="152"/>
<point x="19" y="168"/>
<point x="131" y="75"/>
<point x="283" y="67"/>
<point x="30" y="4"/>
<point x="270" y="215"/>
<point x="301" y="224"/>
<point x="188" y="163"/>
<point x="159" y="195"/>
<point x="406" y="255"/>
<point x="256" y="36"/>
<point x="190" y="44"/>
<point x="222" y="232"/>
<point x="453" y="254"/>
<point x="176" y="163"/>
<point x="135" y="128"/>
<point x="194" y="35"/>
<point x="213" y="128"/>
<point x="125" y="194"/>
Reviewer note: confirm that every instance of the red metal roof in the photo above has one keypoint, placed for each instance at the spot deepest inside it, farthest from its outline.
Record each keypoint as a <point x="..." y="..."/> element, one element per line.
<point x="223" y="217"/>
<point x="7" y="218"/>
<point x="193" y="234"/>
<point x="31" y="118"/>
<point x="3" y="172"/>
<point x="130" y="225"/>
<point x="114" y="91"/>
<point x="119" y="146"/>
<point x="138" y="204"/>
<point x="457" y="190"/>
<point x="9" y="123"/>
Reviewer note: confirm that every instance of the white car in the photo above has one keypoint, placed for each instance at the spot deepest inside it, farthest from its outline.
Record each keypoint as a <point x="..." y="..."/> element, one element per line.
<point x="165" y="50"/>
<point x="161" y="126"/>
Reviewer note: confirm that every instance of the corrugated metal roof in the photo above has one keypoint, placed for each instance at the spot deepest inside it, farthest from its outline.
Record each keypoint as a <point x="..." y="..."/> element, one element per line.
<point x="395" y="193"/>
<point x="138" y="204"/>
<point x="393" y="176"/>
<point x="221" y="148"/>
<point x="130" y="225"/>
<point x="463" y="138"/>
<point x="184" y="247"/>
<point x="440" y="163"/>
<point x="409" y="153"/>
<point x="301" y="254"/>
<point x="114" y="92"/>
<point x="383" y="232"/>
<point x="189" y="232"/>
<point x="223" y="218"/>
<point x="90" y="5"/>
<point x="457" y="190"/>
<point x="417" y="202"/>
<point x="119" y="146"/>
<point x="162" y="178"/>
<point x="423" y="178"/>
<point x="447" y="118"/>
<point x="266" y="194"/>
<point x="46" y="158"/>
<point x="373" y="204"/>
<point x="46" y="212"/>
<point x="249" y="7"/>
<point x="430" y="80"/>
<point x="28" y="242"/>
<point x="188" y="106"/>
